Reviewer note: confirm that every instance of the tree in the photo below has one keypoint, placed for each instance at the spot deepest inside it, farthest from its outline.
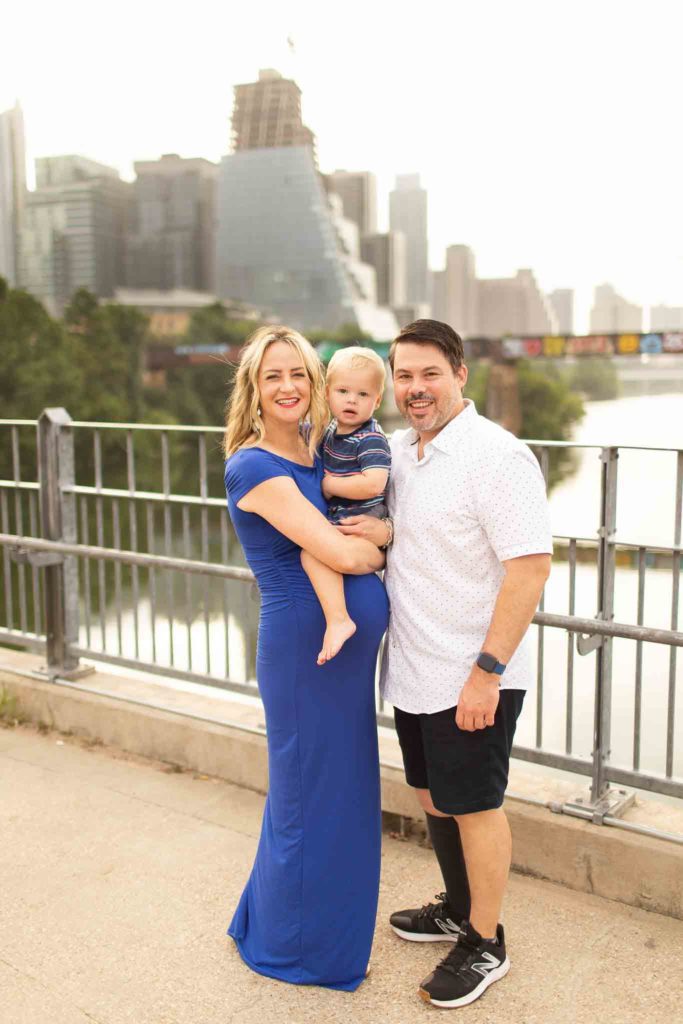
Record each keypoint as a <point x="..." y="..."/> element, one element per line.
<point x="595" y="377"/>
<point x="346" y="334"/>
<point x="212" y="325"/>
<point x="550" y="408"/>
<point x="39" y="366"/>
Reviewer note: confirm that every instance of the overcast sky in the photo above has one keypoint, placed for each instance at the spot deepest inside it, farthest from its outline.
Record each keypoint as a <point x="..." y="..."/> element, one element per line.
<point x="548" y="134"/>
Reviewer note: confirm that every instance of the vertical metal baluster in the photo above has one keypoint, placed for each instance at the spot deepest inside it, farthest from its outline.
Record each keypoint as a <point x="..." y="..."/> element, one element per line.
<point x="675" y="595"/>
<point x="226" y="596"/>
<point x="545" y="462"/>
<point x="639" y="661"/>
<point x="85" y="530"/>
<point x="602" y="723"/>
<point x="133" y="528"/>
<point x="19" y="524"/>
<point x="101" y="578"/>
<point x="6" y="561"/>
<point x="35" y="574"/>
<point x="187" y="550"/>
<point x="569" y="713"/>
<point x="204" y="493"/>
<point x="116" y="525"/>
<point x="166" y="486"/>
<point x="152" y="577"/>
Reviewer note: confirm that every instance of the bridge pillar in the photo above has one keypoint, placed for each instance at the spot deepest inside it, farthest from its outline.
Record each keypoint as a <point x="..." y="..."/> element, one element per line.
<point x="502" y="396"/>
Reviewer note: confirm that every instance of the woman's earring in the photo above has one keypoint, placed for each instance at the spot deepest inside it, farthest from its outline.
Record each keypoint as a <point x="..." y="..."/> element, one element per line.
<point x="258" y="411"/>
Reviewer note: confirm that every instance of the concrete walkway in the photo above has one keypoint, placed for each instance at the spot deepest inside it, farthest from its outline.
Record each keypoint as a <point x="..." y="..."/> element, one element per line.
<point x="119" y="877"/>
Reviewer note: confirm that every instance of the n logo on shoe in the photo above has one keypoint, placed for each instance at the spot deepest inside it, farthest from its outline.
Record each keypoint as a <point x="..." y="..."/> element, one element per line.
<point x="448" y="927"/>
<point x="490" y="964"/>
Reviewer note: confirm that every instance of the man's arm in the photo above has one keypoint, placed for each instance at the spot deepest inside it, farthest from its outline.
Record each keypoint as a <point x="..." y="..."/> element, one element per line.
<point x="515" y="606"/>
<point x="367" y="484"/>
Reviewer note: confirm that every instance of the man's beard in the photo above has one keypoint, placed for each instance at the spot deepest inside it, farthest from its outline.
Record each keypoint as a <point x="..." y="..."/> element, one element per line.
<point x="438" y="418"/>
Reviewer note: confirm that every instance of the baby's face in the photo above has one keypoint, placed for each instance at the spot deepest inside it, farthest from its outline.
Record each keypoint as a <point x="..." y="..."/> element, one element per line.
<point x="353" y="396"/>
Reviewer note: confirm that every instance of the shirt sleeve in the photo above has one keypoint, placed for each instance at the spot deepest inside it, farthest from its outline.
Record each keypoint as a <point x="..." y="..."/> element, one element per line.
<point x="248" y="468"/>
<point x="373" y="451"/>
<point x="513" y="507"/>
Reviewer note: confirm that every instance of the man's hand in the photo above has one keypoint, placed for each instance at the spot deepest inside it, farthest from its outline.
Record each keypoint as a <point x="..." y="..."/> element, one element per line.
<point x="368" y="527"/>
<point x="478" y="701"/>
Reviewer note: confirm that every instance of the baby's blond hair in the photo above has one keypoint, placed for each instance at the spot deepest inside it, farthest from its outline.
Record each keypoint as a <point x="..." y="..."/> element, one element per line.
<point x="357" y="357"/>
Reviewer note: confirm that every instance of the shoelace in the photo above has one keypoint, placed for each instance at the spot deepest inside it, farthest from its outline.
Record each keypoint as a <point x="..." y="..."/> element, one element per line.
<point x="432" y="910"/>
<point x="463" y="951"/>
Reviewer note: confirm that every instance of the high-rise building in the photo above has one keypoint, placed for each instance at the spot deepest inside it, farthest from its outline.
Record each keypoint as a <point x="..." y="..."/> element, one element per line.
<point x="514" y="305"/>
<point x="387" y="254"/>
<point x="284" y="248"/>
<point x="283" y="243"/>
<point x="267" y="113"/>
<point x="172" y="241"/>
<point x="408" y="214"/>
<point x="73" y="234"/>
<point x="12" y="190"/>
<point x="437" y="296"/>
<point x="612" y="314"/>
<point x="358" y="193"/>
<point x="461" y="290"/>
<point x="666" y="318"/>
<point x="562" y="301"/>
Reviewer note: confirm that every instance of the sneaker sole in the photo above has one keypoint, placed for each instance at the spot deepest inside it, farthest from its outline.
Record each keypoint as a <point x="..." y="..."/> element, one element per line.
<point x="450" y="1004"/>
<point x="423" y="937"/>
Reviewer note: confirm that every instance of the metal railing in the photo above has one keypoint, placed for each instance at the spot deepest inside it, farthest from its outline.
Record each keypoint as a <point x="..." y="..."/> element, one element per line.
<point x="157" y="592"/>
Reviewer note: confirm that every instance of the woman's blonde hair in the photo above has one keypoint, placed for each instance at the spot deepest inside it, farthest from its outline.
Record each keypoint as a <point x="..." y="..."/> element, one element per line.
<point x="243" y="423"/>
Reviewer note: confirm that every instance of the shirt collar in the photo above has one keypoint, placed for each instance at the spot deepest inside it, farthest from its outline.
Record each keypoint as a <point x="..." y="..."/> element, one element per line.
<point x="448" y="439"/>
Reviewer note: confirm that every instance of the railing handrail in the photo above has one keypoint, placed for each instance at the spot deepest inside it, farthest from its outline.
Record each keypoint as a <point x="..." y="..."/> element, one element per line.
<point x="571" y="623"/>
<point x="213" y="429"/>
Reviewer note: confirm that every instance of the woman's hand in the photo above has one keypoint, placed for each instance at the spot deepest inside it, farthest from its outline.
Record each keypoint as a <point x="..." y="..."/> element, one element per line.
<point x="368" y="527"/>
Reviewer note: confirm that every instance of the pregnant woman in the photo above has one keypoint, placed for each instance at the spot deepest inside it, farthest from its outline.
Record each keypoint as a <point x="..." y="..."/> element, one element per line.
<point x="307" y="914"/>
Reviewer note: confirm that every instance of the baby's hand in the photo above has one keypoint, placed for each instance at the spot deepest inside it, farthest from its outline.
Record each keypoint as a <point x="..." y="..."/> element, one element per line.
<point x="327" y="485"/>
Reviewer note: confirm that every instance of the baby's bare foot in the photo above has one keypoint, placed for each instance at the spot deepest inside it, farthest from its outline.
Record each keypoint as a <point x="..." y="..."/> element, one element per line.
<point x="336" y="635"/>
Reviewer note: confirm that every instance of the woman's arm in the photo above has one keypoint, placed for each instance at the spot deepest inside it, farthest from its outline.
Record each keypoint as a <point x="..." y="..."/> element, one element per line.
<point x="280" y="502"/>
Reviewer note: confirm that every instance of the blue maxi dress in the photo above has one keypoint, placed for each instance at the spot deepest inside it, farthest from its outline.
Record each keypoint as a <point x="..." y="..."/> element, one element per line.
<point x="307" y="914"/>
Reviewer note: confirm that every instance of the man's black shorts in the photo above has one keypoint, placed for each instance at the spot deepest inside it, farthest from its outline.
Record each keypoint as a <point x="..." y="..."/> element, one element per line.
<point x="463" y="771"/>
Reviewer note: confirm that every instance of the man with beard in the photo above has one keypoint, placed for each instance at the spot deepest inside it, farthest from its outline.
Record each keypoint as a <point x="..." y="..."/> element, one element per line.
<point x="466" y="569"/>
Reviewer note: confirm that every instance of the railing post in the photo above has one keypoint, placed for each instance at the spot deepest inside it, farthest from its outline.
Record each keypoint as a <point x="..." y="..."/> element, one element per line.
<point x="603" y="668"/>
<point x="58" y="522"/>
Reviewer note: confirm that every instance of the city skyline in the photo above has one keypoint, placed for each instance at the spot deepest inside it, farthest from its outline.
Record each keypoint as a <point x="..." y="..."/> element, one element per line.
<point x="526" y="158"/>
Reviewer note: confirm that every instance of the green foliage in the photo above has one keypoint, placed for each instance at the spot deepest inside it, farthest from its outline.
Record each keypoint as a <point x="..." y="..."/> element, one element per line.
<point x="595" y="377"/>
<point x="211" y="325"/>
<point x="347" y="334"/>
<point x="39" y="365"/>
<point x="550" y="408"/>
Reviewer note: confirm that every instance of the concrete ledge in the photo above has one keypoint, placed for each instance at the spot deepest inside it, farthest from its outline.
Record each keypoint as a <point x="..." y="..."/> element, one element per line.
<point x="637" y="870"/>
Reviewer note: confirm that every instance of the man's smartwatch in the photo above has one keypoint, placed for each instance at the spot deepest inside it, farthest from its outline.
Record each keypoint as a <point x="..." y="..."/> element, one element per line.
<point x="490" y="664"/>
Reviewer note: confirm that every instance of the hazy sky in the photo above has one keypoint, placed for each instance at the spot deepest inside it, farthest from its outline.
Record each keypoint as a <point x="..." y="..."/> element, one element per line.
<point x="548" y="134"/>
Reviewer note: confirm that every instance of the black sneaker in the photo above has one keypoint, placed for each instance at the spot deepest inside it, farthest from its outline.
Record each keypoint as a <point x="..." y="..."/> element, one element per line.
<point x="471" y="966"/>
<point x="432" y="923"/>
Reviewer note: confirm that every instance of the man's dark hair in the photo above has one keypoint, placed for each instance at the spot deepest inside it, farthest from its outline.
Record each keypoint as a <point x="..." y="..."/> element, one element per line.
<point x="431" y="332"/>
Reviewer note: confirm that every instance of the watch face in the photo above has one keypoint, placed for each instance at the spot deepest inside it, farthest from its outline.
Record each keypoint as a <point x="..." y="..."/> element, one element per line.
<point x="487" y="662"/>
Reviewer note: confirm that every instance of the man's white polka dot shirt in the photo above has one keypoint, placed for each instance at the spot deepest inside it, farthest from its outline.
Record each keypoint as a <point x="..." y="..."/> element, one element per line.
<point x="475" y="499"/>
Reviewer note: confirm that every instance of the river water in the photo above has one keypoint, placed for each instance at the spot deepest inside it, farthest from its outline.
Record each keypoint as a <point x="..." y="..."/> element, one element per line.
<point x="646" y="494"/>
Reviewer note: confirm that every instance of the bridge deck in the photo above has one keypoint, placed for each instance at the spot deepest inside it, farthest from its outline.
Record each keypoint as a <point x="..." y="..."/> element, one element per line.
<point x="118" y="877"/>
